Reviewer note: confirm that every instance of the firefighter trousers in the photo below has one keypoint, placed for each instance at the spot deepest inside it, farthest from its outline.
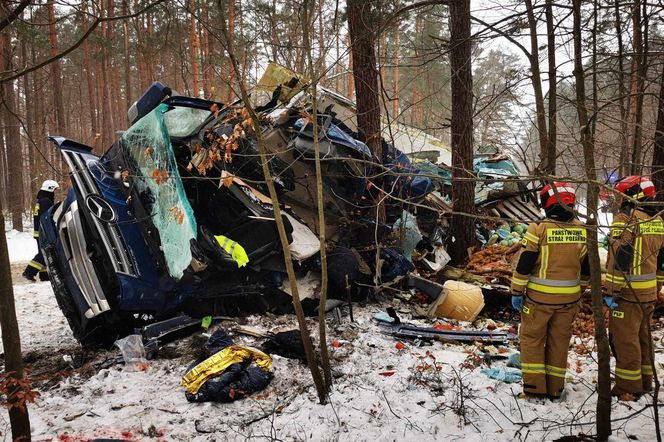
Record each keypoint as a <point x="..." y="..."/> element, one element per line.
<point x="36" y="266"/>
<point x="631" y="343"/>
<point x="545" y="333"/>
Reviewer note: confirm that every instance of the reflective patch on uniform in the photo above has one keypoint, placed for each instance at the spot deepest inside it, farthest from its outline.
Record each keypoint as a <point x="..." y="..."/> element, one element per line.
<point x="532" y="368"/>
<point x="559" y="372"/>
<point x="653" y="227"/>
<point x="628" y="375"/>
<point x="570" y="235"/>
<point x="617" y="314"/>
<point x="526" y="310"/>
<point x="35" y="212"/>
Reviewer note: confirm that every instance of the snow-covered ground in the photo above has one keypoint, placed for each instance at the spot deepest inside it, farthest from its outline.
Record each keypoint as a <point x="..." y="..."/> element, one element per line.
<point x="22" y="246"/>
<point x="380" y="392"/>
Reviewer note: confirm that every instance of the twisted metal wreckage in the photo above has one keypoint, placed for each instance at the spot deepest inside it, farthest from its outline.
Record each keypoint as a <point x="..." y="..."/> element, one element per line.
<point x="173" y="222"/>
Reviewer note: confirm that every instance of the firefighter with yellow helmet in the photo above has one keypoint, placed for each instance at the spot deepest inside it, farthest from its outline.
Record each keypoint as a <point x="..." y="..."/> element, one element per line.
<point x="635" y="272"/>
<point x="546" y="287"/>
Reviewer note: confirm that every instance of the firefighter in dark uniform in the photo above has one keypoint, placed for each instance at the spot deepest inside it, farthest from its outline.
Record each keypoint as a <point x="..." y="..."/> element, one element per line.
<point x="634" y="276"/>
<point x="546" y="287"/>
<point x="45" y="199"/>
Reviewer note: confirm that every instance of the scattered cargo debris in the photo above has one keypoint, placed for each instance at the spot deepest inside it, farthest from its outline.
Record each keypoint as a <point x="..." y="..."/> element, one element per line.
<point x="173" y="220"/>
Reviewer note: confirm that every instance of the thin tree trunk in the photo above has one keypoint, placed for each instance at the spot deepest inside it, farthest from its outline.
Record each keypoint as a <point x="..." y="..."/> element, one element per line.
<point x="194" y="49"/>
<point x="553" y="88"/>
<point x="127" y="58"/>
<point x="395" y="62"/>
<point x="350" y="80"/>
<point x="11" y="342"/>
<point x="12" y="139"/>
<point x="208" y="68"/>
<point x="314" y="72"/>
<point x="90" y="82"/>
<point x="463" y="192"/>
<point x="603" y="409"/>
<point x="639" y="23"/>
<point x="4" y="183"/>
<point x="622" y="90"/>
<point x="55" y="72"/>
<point x="416" y="105"/>
<point x="297" y="305"/>
<point x="322" y="50"/>
<point x="545" y="166"/>
<point x="231" y="36"/>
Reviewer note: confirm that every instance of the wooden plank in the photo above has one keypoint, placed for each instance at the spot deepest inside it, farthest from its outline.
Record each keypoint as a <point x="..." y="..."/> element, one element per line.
<point x="506" y="211"/>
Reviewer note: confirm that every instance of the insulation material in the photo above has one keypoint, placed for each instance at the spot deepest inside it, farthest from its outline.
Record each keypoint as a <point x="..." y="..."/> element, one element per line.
<point x="151" y="162"/>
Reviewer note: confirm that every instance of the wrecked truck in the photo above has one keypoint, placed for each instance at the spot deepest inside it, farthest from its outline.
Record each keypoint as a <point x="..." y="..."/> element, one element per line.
<point x="174" y="218"/>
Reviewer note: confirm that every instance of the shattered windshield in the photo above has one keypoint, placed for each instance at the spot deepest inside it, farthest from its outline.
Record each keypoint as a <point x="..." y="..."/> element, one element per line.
<point x="151" y="162"/>
<point x="182" y="121"/>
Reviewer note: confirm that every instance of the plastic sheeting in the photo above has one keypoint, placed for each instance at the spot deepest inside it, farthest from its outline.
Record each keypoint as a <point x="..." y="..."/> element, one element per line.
<point x="151" y="162"/>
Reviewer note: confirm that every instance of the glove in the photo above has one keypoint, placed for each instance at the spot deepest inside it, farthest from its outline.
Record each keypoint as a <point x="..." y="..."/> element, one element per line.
<point x="610" y="302"/>
<point x="517" y="303"/>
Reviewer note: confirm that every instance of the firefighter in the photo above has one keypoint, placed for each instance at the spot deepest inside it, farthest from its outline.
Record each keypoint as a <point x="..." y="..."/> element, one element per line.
<point x="635" y="272"/>
<point x="45" y="199"/>
<point x="546" y="287"/>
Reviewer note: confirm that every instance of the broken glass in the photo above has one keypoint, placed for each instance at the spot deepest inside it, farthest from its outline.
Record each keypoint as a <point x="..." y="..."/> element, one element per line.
<point x="182" y="121"/>
<point x="152" y="166"/>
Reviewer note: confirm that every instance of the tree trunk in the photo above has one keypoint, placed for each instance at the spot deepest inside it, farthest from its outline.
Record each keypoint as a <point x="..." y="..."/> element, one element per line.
<point x="603" y="409"/>
<point x="361" y="28"/>
<point x="127" y="58"/>
<point x="463" y="204"/>
<point x="544" y="167"/>
<point x="90" y="82"/>
<point x="11" y="341"/>
<point x="639" y="24"/>
<point x="322" y="50"/>
<point x="4" y="183"/>
<point x="658" y="154"/>
<point x="395" y="62"/>
<point x="194" y="48"/>
<point x="297" y="305"/>
<point x="231" y="36"/>
<point x="315" y="70"/>
<point x="55" y="73"/>
<point x="208" y="68"/>
<point x="622" y="90"/>
<point x="12" y="139"/>
<point x="349" y="79"/>
<point x="416" y="105"/>
<point x="553" y="88"/>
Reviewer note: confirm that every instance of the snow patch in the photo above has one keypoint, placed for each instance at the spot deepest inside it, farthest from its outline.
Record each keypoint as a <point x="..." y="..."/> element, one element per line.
<point x="22" y="246"/>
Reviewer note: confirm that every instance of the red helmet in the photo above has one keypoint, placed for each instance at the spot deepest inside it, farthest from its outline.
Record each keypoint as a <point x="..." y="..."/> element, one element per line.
<point x="636" y="186"/>
<point x="566" y="195"/>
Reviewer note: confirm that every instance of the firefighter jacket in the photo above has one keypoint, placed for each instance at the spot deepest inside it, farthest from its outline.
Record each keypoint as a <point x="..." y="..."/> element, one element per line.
<point x="635" y="265"/>
<point x="43" y="203"/>
<point x="553" y="264"/>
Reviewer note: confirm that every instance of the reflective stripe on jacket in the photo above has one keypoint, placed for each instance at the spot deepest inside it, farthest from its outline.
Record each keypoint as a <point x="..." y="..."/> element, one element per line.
<point x="552" y="265"/>
<point x="635" y="265"/>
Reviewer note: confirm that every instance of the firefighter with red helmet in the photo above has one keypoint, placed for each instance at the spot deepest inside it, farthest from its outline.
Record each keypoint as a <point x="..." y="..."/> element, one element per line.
<point x="546" y="287"/>
<point x="635" y="272"/>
